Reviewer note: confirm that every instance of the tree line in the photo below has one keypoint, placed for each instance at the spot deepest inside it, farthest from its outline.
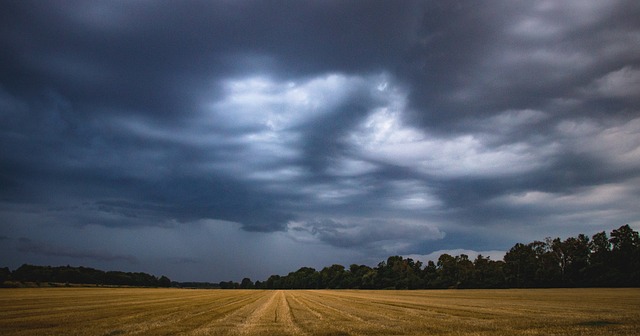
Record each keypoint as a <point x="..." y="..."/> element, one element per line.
<point x="599" y="261"/>
<point x="80" y="275"/>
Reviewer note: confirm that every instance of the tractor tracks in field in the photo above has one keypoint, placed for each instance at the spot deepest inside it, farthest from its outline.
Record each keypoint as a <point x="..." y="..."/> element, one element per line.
<point x="271" y="317"/>
<point x="259" y="315"/>
<point x="343" y="316"/>
<point x="226" y="316"/>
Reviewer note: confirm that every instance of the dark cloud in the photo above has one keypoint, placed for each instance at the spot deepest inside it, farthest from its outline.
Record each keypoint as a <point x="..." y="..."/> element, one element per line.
<point x="344" y="129"/>
<point x="26" y="245"/>
<point x="371" y="234"/>
<point x="477" y="60"/>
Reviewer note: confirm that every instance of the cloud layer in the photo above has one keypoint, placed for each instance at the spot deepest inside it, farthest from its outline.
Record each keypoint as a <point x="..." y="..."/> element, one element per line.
<point x="312" y="132"/>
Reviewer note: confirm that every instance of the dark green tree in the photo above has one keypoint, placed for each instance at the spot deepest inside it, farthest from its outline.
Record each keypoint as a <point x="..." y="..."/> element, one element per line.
<point x="465" y="270"/>
<point x="4" y="274"/>
<point x="356" y="276"/>
<point x="164" y="281"/>
<point x="274" y="282"/>
<point x="332" y="276"/>
<point x="399" y="273"/>
<point x="246" y="283"/>
<point x="625" y="255"/>
<point x="599" y="270"/>
<point x="548" y="264"/>
<point x="303" y="278"/>
<point x="447" y="272"/>
<point x="488" y="273"/>
<point x="429" y="275"/>
<point x="575" y="260"/>
<point x="520" y="266"/>
<point x="229" y="285"/>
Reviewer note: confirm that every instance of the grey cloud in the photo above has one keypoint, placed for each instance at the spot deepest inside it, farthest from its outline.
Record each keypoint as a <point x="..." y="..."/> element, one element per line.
<point x="324" y="138"/>
<point x="26" y="245"/>
<point x="375" y="234"/>
<point x="622" y="83"/>
<point x="180" y="48"/>
<point x="485" y="61"/>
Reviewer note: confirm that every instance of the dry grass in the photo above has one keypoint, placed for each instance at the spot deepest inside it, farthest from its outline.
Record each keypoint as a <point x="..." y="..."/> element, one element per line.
<point x="129" y="311"/>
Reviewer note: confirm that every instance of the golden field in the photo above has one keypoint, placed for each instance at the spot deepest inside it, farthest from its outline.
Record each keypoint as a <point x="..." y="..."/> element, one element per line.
<point x="131" y="311"/>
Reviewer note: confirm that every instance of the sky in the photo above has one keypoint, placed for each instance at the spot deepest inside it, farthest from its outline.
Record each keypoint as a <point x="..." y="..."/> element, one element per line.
<point x="216" y="140"/>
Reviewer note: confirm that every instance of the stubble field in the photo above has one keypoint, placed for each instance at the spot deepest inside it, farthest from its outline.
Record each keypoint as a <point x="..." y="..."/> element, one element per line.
<point x="130" y="311"/>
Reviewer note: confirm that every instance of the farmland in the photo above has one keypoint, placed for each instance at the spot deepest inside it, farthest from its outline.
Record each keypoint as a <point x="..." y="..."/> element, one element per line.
<point x="130" y="311"/>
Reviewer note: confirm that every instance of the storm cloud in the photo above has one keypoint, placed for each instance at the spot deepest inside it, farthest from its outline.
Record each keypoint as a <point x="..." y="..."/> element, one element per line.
<point x="191" y="138"/>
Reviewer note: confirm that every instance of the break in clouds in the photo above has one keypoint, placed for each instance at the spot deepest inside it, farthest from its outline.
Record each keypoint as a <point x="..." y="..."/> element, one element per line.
<point x="215" y="140"/>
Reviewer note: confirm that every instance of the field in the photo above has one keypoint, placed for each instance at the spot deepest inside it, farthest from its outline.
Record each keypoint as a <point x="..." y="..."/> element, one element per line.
<point x="130" y="311"/>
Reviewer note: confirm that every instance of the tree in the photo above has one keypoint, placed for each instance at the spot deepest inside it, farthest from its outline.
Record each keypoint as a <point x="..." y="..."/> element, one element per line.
<point x="575" y="253"/>
<point x="548" y="263"/>
<point x="399" y="273"/>
<point x="465" y="271"/>
<point x="447" y="272"/>
<point x="625" y="252"/>
<point x="488" y="273"/>
<point x="274" y="282"/>
<point x="520" y="266"/>
<point x="164" y="281"/>
<point x="624" y="239"/>
<point x="369" y="279"/>
<point x="332" y="276"/>
<point x="356" y="276"/>
<point x="430" y="275"/>
<point x="246" y="284"/>
<point x="229" y="285"/>
<point x="4" y="274"/>
<point x="303" y="278"/>
<point x="31" y="273"/>
<point x="599" y="273"/>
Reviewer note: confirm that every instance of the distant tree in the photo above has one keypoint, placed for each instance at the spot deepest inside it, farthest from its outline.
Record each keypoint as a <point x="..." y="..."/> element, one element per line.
<point x="274" y="282"/>
<point x="520" y="266"/>
<point x="625" y="254"/>
<point x="369" y="279"/>
<point x="332" y="276"/>
<point x="487" y="273"/>
<point x="31" y="273"/>
<point x="429" y="275"/>
<point x="82" y="275"/>
<point x="399" y="273"/>
<point x="4" y="274"/>
<point x="600" y="246"/>
<point x="229" y="285"/>
<point x="199" y="285"/>
<point x="599" y="270"/>
<point x="246" y="284"/>
<point x="304" y="278"/>
<point x="356" y="277"/>
<point x="164" y="281"/>
<point x="447" y="272"/>
<point x="548" y="271"/>
<point x="464" y="271"/>
<point x="624" y="239"/>
<point x="575" y="260"/>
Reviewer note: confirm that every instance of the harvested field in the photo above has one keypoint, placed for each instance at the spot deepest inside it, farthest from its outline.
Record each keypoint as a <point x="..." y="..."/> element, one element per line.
<point x="130" y="311"/>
